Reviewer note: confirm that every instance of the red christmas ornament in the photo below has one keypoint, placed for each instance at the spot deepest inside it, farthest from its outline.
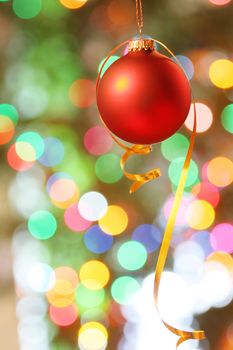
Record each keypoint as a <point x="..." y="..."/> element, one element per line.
<point x="144" y="97"/>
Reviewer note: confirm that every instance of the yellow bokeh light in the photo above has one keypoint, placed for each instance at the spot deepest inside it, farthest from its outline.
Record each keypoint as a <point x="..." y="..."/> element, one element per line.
<point x="63" y="287"/>
<point x="222" y="258"/>
<point x="220" y="171"/>
<point x="66" y="273"/>
<point x="7" y="129"/>
<point x="221" y="73"/>
<point x="114" y="221"/>
<point x="6" y="124"/>
<point x="94" y="275"/>
<point x="73" y="4"/>
<point x="63" y="292"/>
<point x="25" y="151"/>
<point x="93" y="336"/>
<point x="200" y="215"/>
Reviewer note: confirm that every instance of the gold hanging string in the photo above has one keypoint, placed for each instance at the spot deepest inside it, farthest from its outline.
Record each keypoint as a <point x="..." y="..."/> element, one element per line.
<point x="138" y="179"/>
<point x="139" y="15"/>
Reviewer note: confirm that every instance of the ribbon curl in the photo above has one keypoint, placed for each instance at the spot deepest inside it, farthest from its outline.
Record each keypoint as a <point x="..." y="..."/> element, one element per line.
<point x="140" y="179"/>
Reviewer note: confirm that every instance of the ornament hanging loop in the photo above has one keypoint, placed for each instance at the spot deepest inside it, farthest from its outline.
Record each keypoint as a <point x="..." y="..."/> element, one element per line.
<point x="139" y="16"/>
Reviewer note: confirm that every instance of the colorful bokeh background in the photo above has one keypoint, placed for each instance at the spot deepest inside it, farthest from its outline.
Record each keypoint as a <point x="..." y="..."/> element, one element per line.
<point x="77" y="252"/>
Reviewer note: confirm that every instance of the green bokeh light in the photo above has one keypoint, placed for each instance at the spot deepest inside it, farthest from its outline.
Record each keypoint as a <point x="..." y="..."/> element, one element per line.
<point x="42" y="225"/>
<point x="110" y="61"/>
<point x="35" y="140"/>
<point x="124" y="288"/>
<point x="132" y="255"/>
<point x="107" y="168"/>
<point x="175" y="168"/>
<point x="227" y="118"/>
<point x="9" y="111"/>
<point x="174" y="147"/>
<point x="27" y="9"/>
<point x="87" y="298"/>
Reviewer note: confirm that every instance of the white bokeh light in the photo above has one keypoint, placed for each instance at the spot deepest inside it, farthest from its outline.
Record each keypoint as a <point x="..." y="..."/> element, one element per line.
<point x="92" y="206"/>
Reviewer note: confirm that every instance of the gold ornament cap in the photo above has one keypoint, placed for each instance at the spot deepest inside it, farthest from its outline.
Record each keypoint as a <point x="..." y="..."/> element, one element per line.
<point x="141" y="44"/>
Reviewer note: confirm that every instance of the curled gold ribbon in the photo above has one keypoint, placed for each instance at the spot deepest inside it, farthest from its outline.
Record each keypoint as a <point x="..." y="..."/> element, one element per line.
<point x="141" y="179"/>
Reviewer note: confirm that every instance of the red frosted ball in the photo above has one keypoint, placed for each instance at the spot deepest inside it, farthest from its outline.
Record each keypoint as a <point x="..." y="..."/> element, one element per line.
<point x="144" y="97"/>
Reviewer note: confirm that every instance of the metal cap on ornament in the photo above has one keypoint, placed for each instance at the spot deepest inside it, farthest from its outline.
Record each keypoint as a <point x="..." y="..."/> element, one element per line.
<point x="141" y="44"/>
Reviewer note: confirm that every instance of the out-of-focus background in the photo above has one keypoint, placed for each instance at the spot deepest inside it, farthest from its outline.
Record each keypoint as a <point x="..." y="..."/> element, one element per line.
<point x="77" y="252"/>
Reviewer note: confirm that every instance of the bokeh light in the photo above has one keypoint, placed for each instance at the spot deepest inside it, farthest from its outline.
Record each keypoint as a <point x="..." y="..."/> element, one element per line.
<point x="187" y="65"/>
<point x="66" y="273"/>
<point x="32" y="101"/>
<point x="42" y="224"/>
<point x="41" y="277"/>
<point x="216" y="285"/>
<point x="16" y="162"/>
<point x="107" y="168"/>
<point x="62" y="190"/>
<point x="174" y="147"/>
<point x="180" y="220"/>
<point x="87" y="298"/>
<point x="220" y="2"/>
<point x="222" y="258"/>
<point x="74" y="220"/>
<point x="220" y="171"/>
<point x="97" y="241"/>
<point x="10" y="112"/>
<point x="73" y="4"/>
<point x="62" y="295"/>
<point x="92" y="336"/>
<point x="132" y="255"/>
<point x="27" y="9"/>
<point x="63" y="292"/>
<point x="94" y="274"/>
<point x="110" y="61"/>
<point x="29" y="146"/>
<point x="222" y="237"/>
<point x="175" y="168"/>
<point x="227" y="118"/>
<point x="92" y="206"/>
<point x="207" y="192"/>
<point x="221" y="73"/>
<point x="53" y="152"/>
<point x="149" y="235"/>
<point x="82" y="93"/>
<point x="63" y="317"/>
<point x="114" y="221"/>
<point x="188" y="261"/>
<point x="124" y="289"/>
<point x="204" y="117"/>
<point x="200" y="215"/>
<point x="7" y="129"/>
<point x="203" y="239"/>
<point x="98" y="141"/>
